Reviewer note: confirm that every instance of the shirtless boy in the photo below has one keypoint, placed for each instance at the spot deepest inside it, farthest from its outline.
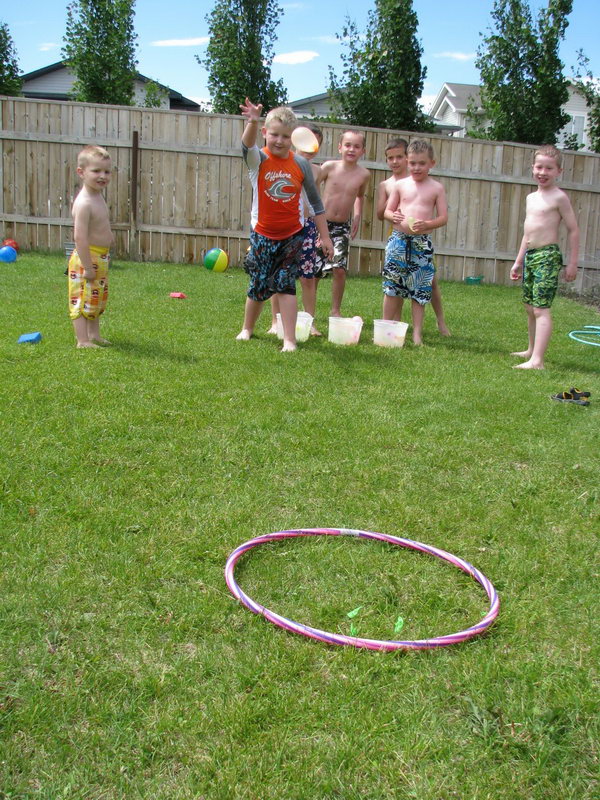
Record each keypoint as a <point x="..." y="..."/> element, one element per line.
<point x="88" y="265"/>
<point x="343" y="184"/>
<point x="417" y="205"/>
<point x="539" y="257"/>
<point x="395" y="154"/>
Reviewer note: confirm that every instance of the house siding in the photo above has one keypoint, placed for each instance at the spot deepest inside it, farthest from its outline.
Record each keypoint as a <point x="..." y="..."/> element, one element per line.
<point x="317" y="108"/>
<point x="60" y="82"/>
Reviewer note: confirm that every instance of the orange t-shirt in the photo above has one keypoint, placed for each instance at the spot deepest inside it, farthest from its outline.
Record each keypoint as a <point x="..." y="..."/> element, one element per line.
<point x="277" y="207"/>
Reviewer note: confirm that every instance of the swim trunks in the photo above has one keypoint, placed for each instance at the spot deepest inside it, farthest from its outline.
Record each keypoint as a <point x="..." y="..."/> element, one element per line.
<point x="88" y="298"/>
<point x="540" y="275"/>
<point x="273" y="265"/>
<point x="408" y="269"/>
<point x="308" y="256"/>
<point x="340" y="236"/>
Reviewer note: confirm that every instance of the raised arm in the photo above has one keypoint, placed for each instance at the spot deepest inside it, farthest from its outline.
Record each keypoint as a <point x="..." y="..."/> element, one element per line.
<point x="252" y="113"/>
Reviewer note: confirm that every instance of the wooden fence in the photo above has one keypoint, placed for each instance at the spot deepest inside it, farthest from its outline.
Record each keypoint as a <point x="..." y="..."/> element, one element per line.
<point x="180" y="187"/>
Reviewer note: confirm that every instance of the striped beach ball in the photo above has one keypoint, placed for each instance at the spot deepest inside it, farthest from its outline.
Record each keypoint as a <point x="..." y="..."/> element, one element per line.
<point x="216" y="260"/>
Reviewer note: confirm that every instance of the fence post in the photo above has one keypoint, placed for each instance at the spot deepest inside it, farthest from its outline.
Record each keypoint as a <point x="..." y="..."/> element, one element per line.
<point x="134" y="243"/>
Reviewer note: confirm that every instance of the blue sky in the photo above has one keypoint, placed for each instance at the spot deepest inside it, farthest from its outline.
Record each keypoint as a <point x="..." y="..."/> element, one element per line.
<point x="171" y="33"/>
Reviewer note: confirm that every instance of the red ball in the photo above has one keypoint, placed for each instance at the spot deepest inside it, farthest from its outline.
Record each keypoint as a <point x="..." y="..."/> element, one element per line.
<point x="10" y="243"/>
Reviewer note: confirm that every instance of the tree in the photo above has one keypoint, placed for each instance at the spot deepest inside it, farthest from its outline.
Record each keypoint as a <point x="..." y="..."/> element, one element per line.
<point x="100" y="50"/>
<point x="240" y="53"/>
<point x="10" y="80"/>
<point x="590" y="89"/>
<point x="523" y="87"/>
<point x="382" y="78"/>
<point x="155" y="95"/>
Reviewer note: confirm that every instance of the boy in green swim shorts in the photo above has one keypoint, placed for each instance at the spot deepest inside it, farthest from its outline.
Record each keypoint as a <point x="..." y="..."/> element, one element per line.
<point x="539" y="259"/>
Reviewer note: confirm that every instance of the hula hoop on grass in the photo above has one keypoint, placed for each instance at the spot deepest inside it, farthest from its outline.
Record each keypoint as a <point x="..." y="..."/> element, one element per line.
<point x="590" y="330"/>
<point x="371" y="644"/>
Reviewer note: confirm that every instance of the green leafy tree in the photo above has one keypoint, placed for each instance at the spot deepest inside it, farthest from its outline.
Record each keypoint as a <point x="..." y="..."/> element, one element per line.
<point x="10" y="80"/>
<point x="382" y="78"/>
<point x="99" y="48"/>
<point x="240" y="54"/>
<point x="590" y="89"/>
<point x="523" y="87"/>
<point x="155" y="95"/>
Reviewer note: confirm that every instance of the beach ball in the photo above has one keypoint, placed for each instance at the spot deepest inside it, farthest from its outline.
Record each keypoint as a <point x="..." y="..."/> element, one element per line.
<point x="8" y="254"/>
<point x="11" y="243"/>
<point x="216" y="260"/>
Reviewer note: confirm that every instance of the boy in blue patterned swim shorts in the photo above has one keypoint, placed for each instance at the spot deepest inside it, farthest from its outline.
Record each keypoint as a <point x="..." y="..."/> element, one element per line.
<point x="416" y="206"/>
<point x="278" y="179"/>
<point x="539" y="257"/>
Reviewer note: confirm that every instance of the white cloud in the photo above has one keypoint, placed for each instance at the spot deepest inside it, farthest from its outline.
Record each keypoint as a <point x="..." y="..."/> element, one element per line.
<point x="297" y="57"/>
<point x="47" y="46"/>
<point x="456" y="56"/>
<point x="181" y="42"/>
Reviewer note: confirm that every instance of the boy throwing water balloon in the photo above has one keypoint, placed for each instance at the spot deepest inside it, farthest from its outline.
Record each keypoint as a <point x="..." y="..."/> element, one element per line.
<point x="277" y="178"/>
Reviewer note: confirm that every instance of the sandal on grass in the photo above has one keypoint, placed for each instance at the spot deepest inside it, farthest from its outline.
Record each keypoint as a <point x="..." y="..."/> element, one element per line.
<point x="568" y="397"/>
<point x="577" y="394"/>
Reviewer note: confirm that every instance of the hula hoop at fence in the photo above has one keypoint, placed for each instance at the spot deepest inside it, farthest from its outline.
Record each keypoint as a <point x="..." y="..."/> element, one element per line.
<point x="590" y="330"/>
<point x="371" y="644"/>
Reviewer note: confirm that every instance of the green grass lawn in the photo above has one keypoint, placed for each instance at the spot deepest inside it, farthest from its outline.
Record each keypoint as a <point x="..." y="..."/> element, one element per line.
<point x="130" y="473"/>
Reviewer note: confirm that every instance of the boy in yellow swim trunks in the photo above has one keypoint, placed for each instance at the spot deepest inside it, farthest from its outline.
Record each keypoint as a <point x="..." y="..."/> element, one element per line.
<point x="539" y="258"/>
<point x="88" y="265"/>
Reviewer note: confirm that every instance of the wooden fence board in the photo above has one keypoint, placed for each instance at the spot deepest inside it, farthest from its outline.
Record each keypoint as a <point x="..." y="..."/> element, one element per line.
<point x="193" y="190"/>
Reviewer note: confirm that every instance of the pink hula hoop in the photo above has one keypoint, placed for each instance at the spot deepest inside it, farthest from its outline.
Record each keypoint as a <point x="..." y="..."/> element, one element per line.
<point x="340" y="639"/>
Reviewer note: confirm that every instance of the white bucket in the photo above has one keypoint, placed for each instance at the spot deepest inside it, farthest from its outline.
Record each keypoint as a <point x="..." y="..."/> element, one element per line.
<point x="303" y="326"/>
<point x="389" y="333"/>
<point x="345" y="330"/>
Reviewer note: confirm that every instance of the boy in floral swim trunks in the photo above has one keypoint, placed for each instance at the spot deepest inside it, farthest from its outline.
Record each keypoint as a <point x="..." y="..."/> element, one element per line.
<point x="539" y="257"/>
<point x="417" y="205"/>
<point x="343" y="183"/>
<point x="397" y="160"/>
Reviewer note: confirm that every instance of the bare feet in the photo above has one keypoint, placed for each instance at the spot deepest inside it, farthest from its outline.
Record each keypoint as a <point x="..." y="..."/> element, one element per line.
<point x="273" y="329"/>
<point x="523" y="354"/>
<point x="101" y="340"/>
<point x="528" y="365"/>
<point x="315" y="332"/>
<point x="443" y="329"/>
<point x="288" y="347"/>
<point x="335" y="314"/>
<point x="244" y="335"/>
<point x="82" y="345"/>
<point x="417" y="341"/>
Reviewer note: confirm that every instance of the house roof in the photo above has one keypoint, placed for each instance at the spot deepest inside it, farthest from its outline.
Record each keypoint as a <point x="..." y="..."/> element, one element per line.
<point x="176" y="99"/>
<point x="457" y="96"/>
<point x="315" y="98"/>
